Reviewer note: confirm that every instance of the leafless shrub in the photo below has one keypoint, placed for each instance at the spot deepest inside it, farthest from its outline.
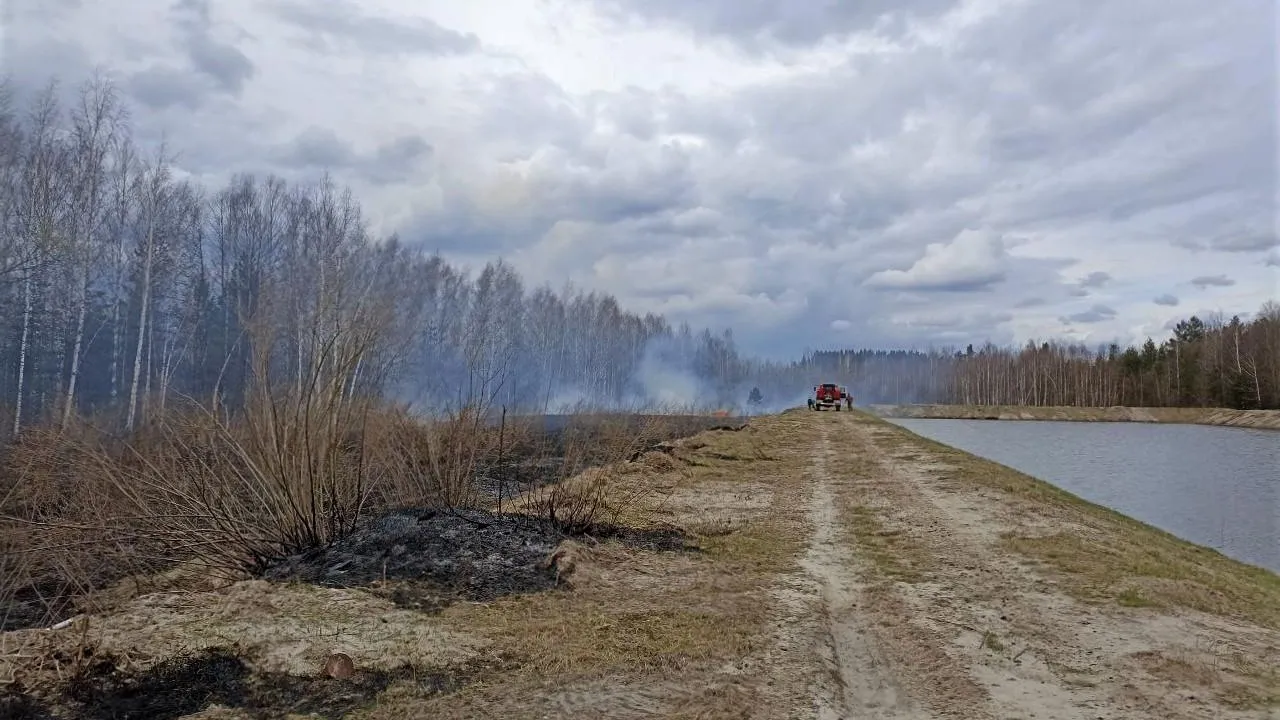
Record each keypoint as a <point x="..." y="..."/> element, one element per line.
<point x="597" y="448"/>
<point x="437" y="462"/>
<point x="83" y="510"/>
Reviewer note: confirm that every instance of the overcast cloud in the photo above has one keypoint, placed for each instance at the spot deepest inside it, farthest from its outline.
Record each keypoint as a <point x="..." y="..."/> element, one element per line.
<point x="906" y="173"/>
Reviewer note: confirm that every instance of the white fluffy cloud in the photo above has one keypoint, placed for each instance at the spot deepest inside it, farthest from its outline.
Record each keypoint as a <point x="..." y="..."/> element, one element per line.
<point x="974" y="260"/>
<point x="905" y="173"/>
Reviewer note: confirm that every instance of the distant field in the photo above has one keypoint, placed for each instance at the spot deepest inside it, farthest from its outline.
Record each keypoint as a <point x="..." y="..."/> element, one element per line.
<point x="1262" y="419"/>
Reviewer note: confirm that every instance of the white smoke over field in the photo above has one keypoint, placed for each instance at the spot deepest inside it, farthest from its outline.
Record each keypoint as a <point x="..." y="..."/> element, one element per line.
<point x="663" y="383"/>
<point x="666" y="379"/>
<point x="568" y="400"/>
<point x="785" y="400"/>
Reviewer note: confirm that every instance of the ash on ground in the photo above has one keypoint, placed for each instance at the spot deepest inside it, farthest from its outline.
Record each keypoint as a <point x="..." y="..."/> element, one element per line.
<point x="427" y="559"/>
<point x="192" y="682"/>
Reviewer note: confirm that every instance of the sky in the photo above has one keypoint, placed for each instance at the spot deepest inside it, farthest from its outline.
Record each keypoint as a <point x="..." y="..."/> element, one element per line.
<point x="812" y="174"/>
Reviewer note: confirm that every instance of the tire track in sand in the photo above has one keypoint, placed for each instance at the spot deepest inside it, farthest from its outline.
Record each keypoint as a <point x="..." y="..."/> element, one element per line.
<point x="865" y="683"/>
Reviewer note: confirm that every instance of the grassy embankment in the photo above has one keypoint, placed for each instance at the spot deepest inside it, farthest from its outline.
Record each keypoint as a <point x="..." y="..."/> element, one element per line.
<point x="1262" y="419"/>
<point x="1098" y="556"/>
<point x="1109" y="555"/>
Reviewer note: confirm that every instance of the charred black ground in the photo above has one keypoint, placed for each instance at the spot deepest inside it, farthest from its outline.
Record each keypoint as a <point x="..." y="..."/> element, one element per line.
<point x="218" y="676"/>
<point x="429" y="558"/>
<point x="426" y="559"/>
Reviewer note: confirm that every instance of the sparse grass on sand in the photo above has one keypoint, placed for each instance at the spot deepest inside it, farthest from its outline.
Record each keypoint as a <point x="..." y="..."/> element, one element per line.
<point x="634" y="614"/>
<point x="1107" y="556"/>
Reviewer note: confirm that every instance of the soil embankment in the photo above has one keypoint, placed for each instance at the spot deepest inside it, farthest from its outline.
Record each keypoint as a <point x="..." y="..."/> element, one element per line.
<point x="1261" y="419"/>
<point x="828" y="566"/>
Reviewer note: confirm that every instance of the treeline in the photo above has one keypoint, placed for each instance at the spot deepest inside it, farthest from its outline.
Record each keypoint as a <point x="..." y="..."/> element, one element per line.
<point x="125" y="285"/>
<point x="1206" y="363"/>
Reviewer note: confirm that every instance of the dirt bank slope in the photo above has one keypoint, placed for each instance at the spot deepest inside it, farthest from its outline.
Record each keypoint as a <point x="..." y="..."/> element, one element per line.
<point x="843" y="568"/>
<point x="1263" y="419"/>
<point x="991" y="594"/>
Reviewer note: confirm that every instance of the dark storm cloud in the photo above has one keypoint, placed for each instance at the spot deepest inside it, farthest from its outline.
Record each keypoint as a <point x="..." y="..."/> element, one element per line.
<point x="1206" y="281"/>
<point x="319" y="148"/>
<point x="223" y="62"/>
<point x="1096" y="279"/>
<point x="337" y="25"/>
<point x="163" y="87"/>
<point x="396" y="160"/>
<point x="1095" y="314"/>
<point x="1246" y="243"/>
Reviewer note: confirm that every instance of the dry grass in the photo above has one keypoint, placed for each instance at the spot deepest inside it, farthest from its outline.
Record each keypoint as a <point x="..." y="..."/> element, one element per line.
<point x="871" y="520"/>
<point x="81" y="510"/>
<point x="608" y="489"/>
<point x="567" y="638"/>
<point x="289" y="629"/>
<point x="624" y="613"/>
<point x="1238" y="685"/>
<point x="193" y="489"/>
<point x="1144" y="568"/>
<point x="1116" y="559"/>
<point x="893" y="555"/>
<point x="633" y="615"/>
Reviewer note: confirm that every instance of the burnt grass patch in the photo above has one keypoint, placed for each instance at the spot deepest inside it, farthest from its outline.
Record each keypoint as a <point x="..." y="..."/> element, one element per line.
<point x="18" y="705"/>
<point x="218" y="676"/>
<point x="556" y="447"/>
<point x="427" y="559"/>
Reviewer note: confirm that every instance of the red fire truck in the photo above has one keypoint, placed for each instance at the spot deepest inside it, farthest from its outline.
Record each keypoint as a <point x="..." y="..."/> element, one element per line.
<point x="829" y="395"/>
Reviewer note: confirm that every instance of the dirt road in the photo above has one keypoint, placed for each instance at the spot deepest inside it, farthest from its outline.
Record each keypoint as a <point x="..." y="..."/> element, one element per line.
<point x="839" y="568"/>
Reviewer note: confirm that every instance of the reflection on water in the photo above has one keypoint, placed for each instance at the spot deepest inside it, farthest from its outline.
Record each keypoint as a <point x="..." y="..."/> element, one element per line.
<point x="1214" y="486"/>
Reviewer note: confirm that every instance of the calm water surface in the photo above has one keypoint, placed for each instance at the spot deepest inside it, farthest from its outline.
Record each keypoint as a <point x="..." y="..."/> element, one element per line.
<point x="1217" y="487"/>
